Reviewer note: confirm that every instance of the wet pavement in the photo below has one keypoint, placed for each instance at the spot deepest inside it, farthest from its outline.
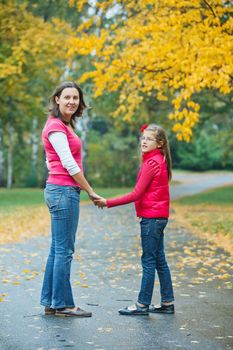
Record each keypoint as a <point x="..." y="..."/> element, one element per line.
<point x="105" y="277"/>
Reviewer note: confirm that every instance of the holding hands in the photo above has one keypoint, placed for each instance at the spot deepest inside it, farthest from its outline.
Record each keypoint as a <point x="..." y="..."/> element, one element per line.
<point x="100" y="202"/>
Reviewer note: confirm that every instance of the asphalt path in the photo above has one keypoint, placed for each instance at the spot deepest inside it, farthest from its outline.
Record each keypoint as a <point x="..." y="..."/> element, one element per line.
<point x="106" y="275"/>
<point x="196" y="182"/>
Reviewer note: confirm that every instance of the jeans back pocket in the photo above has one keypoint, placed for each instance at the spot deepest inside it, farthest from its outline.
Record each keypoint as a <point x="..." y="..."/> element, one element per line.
<point x="52" y="195"/>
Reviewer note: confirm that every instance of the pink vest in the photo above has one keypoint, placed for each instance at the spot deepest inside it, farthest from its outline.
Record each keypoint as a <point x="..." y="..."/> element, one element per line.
<point x="57" y="174"/>
<point x="155" y="201"/>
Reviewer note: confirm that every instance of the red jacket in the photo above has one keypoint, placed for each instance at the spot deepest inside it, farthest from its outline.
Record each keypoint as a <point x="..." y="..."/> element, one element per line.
<point x="151" y="193"/>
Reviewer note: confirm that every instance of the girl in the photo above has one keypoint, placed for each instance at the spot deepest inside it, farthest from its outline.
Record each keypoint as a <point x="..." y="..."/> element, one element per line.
<point x="151" y="197"/>
<point x="63" y="150"/>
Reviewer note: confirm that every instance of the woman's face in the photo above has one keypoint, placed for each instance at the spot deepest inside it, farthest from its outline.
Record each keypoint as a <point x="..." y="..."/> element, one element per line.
<point x="68" y="102"/>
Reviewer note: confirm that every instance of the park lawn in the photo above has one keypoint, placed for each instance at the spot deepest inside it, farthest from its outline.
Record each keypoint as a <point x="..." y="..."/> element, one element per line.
<point x="24" y="197"/>
<point x="208" y="214"/>
<point x="23" y="213"/>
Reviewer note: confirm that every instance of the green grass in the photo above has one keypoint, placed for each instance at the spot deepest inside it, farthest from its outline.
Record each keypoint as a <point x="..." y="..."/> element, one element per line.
<point x="218" y="196"/>
<point x="28" y="197"/>
<point x="209" y="213"/>
<point x="12" y="198"/>
<point x="20" y="197"/>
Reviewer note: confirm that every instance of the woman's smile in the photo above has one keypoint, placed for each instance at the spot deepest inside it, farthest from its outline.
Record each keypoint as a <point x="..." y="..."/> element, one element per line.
<point x="68" y="102"/>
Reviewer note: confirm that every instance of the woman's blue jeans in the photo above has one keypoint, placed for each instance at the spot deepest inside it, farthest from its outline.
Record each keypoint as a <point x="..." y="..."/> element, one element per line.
<point x="153" y="258"/>
<point x="63" y="204"/>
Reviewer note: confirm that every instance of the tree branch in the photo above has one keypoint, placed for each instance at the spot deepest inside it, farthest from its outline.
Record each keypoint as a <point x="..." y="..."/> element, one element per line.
<point x="210" y="7"/>
<point x="145" y="69"/>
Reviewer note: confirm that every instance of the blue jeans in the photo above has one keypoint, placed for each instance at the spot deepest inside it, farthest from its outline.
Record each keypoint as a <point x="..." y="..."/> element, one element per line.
<point x="153" y="258"/>
<point x="63" y="204"/>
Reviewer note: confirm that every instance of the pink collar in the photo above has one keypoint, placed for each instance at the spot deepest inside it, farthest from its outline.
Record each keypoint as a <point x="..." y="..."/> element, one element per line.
<point x="150" y="154"/>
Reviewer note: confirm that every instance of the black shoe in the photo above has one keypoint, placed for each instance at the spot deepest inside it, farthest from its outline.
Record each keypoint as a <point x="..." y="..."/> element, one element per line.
<point x="139" y="310"/>
<point x="163" y="309"/>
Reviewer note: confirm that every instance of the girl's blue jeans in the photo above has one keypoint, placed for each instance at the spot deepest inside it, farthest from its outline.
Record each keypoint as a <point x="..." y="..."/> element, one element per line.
<point x="63" y="204"/>
<point x="153" y="258"/>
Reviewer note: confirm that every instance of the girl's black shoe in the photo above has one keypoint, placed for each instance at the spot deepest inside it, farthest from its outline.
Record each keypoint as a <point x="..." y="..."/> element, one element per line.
<point x="138" y="310"/>
<point x="163" y="309"/>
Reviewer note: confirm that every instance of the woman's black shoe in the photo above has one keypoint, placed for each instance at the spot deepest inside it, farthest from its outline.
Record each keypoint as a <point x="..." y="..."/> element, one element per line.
<point x="163" y="309"/>
<point x="139" y="310"/>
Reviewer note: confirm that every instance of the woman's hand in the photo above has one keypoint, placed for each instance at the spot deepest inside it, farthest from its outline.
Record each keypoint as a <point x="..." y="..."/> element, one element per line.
<point x="100" y="202"/>
<point x="93" y="196"/>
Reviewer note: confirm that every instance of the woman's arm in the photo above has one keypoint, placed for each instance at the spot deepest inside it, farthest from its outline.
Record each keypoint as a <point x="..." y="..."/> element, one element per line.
<point x="81" y="180"/>
<point x="59" y="141"/>
<point x="61" y="146"/>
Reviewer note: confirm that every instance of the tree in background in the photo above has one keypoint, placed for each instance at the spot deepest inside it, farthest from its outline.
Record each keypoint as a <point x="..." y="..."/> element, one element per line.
<point x="112" y="159"/>
<point x="135" y="64"/>
<point x="165" y="49"/>
<point x="211" y="146"/>
<point x="31" y="64"/>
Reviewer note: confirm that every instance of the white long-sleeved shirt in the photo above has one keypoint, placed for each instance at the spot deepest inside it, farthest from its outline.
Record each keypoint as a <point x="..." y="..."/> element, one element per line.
<point x="60" y="143"/>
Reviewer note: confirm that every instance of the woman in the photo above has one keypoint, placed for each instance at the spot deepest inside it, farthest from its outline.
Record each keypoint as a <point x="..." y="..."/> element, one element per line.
<point x="63" y="150"/>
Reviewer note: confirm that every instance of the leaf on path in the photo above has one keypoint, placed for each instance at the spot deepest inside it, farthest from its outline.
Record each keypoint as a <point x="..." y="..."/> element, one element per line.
<point x="82" y="274"/>
<point x="104" y="330"/>
<point x="224" y="277"/>
<point x="2" y="296"/>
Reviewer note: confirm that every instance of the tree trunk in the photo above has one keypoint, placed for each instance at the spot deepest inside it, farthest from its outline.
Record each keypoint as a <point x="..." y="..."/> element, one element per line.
<point x="35" y="145"/>
<point x="1" y="157"/>
<point x="10" y="157"/>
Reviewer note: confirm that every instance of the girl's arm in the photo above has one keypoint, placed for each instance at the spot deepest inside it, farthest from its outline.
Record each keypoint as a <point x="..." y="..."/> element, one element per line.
<point x="148" y="172"/>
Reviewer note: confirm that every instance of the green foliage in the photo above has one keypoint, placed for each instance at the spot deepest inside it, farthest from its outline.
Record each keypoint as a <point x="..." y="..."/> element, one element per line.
<point x="211" y="146"/>
<point x="53" y="8"/>
<point x="112" y="159"/>
<point x="202" y="153"/>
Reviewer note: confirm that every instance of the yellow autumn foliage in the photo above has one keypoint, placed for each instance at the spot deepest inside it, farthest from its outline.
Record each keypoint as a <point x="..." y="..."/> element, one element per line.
<point x="158" y="48"/>
<point x="29" y="54"/>
<point x="207" y="221"/>
<point x="31" y="222"/>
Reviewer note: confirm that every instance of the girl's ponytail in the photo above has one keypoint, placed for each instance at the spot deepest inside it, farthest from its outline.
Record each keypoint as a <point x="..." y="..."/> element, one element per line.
<point x="167" y="154"/>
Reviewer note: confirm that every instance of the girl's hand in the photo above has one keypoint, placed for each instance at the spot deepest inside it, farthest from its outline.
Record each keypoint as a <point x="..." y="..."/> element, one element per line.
<point x="100" y="202"/>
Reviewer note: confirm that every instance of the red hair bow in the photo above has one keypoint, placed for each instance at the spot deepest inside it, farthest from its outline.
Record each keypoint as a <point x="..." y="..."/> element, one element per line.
<point x="143" y="127"/>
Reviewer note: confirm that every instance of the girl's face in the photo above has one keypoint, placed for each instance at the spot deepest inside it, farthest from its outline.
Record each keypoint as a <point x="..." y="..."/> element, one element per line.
<point x="148" y="142"/>
<point x="68" y="102"/>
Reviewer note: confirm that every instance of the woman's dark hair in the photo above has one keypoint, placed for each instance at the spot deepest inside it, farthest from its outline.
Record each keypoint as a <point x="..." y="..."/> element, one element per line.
<point x="54" y="107"/>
